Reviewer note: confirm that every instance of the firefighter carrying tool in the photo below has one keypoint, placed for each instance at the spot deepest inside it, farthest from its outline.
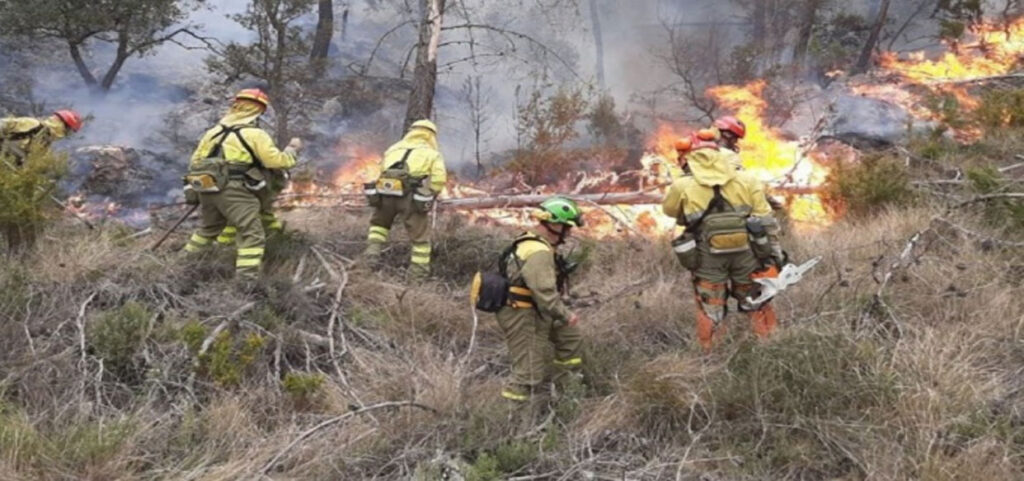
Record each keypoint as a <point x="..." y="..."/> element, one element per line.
<point x="730" y="236"/>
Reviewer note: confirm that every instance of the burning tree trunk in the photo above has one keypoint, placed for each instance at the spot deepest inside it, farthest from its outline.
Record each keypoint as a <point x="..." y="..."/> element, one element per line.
<point x="421" y="100"/>
<point x="869" y="47"/>
<point x="322" y="38"/>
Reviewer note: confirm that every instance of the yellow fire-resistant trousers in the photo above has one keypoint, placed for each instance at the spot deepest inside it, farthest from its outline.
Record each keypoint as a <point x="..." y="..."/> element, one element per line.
<point x="239" y="207"/>
<point x="530" y="339"/>
<point x="417" y="225"/>
<point x="271" y="224"/>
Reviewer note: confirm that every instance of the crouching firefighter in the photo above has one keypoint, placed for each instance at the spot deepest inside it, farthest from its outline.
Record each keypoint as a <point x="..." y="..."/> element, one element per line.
<point x="413" y="174"/>
<point x="525" y="295"/>
<point x="730" y="238"/>
<point x="227" y="174"/>
<point x="20" y="137"/>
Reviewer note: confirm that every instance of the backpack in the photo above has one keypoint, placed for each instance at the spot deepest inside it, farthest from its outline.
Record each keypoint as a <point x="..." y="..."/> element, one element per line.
<point x="724" y="231"/>
<point x="491" y="291"/>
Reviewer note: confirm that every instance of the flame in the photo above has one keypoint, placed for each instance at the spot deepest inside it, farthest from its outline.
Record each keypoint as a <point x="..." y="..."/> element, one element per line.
<point x="993" y="49"/>
<point x="765" y="153"/>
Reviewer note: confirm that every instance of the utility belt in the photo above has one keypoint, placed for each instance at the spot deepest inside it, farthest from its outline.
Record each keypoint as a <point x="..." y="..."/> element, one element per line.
<point x="400" y="185"/>
<point x="211" y="175"/>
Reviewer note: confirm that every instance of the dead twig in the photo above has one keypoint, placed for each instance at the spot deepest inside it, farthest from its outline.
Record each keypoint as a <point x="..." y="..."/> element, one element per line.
<point x="80" y="322"/>
<point x="335" y="420"/>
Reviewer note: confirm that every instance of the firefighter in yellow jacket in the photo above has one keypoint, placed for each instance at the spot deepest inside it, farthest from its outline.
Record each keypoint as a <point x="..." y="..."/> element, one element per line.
<point x="19" y="137"/>
<point x="226" y="176"/>
<point x="413" y="174"/>
<point x="731" y="237"/>
<point x="535" y="318"/>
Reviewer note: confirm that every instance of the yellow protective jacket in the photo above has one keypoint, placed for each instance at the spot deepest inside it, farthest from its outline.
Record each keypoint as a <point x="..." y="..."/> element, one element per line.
<point x="733" y="157"/>
<point x="534" y="268"/>
<point x="270" y="157"/>
<point x="19" y="134"/>
<point x="424" y="160"/>
<point x="689" y="197"/>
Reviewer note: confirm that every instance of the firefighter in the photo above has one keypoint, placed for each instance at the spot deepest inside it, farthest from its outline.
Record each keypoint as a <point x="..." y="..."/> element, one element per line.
<point x="536" y="317"/>
<point x="20" y="136"/>
<point x="732" y="130"/>
<point x="413" y="174"/>
<point x="730" y="238"/>
<point x="226" y="177"/>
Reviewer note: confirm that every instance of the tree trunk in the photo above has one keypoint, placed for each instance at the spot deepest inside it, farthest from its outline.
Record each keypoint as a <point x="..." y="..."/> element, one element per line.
<point x="83" y="69"/>
<point x="424" y="82"/>
<point x="119" y="59"/>
<point x="595" y="20"/>
<point x="322" y="38"/>
<point x="803" y="40"/>
<point x="864" y="61"/>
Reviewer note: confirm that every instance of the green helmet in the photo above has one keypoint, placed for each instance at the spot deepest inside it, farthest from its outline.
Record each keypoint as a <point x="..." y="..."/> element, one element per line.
<point x="560" y="210"/>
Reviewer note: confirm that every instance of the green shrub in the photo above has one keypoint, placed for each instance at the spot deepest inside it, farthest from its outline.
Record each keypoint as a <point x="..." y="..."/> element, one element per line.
<point x="118" y="335"/>
<point x="1001" y="108"/>
<point x="25" y="194"/>
<point x="878" y="181"/>
<point x="226" y="359"/>
<point x="508" y="458"/>
<point x="805" y="375"/>
<point x="998" y="212"/>
<point x="303" y="388"/>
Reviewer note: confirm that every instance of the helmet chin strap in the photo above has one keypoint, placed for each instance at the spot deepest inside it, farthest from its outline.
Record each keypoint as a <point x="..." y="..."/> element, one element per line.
<point x="561" y="234"/>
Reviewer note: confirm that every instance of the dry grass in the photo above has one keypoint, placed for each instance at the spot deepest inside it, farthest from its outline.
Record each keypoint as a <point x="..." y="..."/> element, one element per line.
<point x="925" y="386"/>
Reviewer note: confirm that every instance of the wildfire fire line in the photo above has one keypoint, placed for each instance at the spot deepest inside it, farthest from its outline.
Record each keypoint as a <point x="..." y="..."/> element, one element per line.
<point x="793" y="169"/>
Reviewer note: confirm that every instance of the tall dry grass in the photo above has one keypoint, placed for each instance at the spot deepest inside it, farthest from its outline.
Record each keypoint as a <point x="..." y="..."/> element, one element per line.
<point x="925" y="384"/>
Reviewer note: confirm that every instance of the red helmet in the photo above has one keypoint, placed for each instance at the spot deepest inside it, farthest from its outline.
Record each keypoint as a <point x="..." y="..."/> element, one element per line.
<point x="732" y="124"/>
<point x="70" y="118"/>
<point x="254" y="95"/>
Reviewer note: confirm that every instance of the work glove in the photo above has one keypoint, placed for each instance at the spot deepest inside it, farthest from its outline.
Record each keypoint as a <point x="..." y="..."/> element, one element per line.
<point x="574" y="319"/>
<point x="295" y="145"/>
<point x="191" y="196"/>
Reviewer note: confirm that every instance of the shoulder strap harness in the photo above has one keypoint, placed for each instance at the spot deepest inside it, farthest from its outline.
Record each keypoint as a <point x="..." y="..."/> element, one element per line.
<point x="237" y="130"/>
<point x="718" y="203"/>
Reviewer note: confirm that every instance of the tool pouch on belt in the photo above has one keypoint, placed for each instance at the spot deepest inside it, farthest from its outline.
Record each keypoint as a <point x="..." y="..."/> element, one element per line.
<point x="759" y="241"/>
<point x="393" y="183"/>
<point x="254" y="179"/>
<point x="208" y="176"/>
<point x="685" y="248"/>
<point x="422" y="197"/>
<point x="372" y="197"/>
<point x="726" y="233"/>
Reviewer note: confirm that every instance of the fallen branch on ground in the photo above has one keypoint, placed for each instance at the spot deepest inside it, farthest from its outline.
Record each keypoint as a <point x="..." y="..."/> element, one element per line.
<point x="335" y="420"/>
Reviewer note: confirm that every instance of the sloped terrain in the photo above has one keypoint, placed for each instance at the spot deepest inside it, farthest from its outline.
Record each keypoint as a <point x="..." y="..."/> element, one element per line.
<point x="899" y="358"/>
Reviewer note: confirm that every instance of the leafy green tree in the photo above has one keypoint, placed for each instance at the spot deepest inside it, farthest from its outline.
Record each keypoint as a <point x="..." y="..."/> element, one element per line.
<point x="133" y="27"/>
<point x="279" y="56"/>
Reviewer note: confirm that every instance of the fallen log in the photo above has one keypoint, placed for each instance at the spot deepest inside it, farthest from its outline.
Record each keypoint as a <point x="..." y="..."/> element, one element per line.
<point x="513" y="201"/>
